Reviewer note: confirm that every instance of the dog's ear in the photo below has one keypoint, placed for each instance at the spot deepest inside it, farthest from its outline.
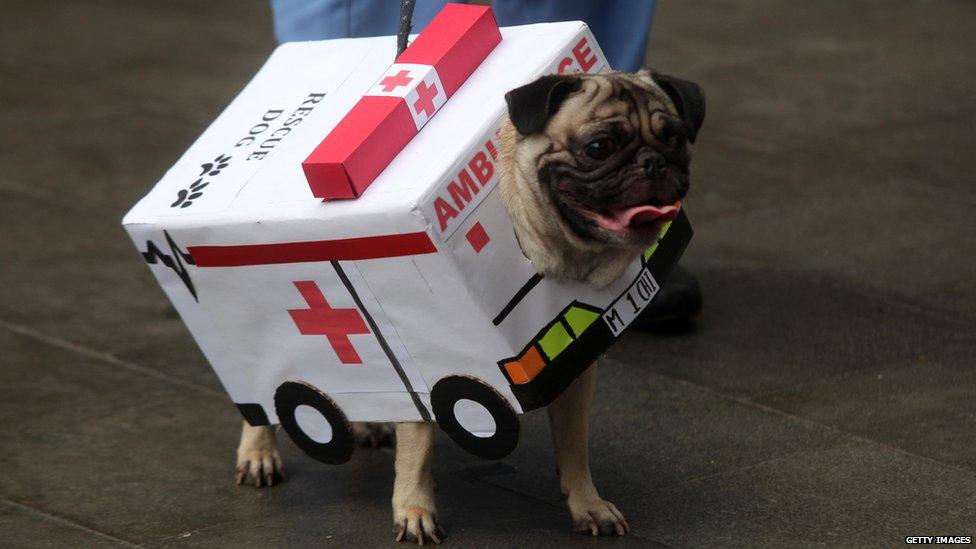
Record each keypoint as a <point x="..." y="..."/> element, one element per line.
<point x="530" y="106"/>
<point x="688" y="98"/>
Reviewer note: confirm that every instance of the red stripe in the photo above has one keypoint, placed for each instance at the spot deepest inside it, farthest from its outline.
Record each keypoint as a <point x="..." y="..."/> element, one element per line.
<point x="347" y="249"/>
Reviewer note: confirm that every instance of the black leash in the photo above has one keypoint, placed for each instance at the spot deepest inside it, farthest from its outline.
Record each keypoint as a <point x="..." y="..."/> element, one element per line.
<point x="406" y="24"/>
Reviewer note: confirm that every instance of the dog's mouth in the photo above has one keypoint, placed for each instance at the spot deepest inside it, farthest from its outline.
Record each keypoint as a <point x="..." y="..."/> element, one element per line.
<point x="625" y="208"/>
<point x="635" y="220"/>
<point x="639" y="217"/>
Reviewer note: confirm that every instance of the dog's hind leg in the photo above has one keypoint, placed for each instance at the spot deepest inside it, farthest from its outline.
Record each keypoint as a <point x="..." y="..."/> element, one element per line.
<point x="374" y="435"/>
<point x="414" y="511"/>
<point x="258" y="460"/>
<point x="569" y="416"/>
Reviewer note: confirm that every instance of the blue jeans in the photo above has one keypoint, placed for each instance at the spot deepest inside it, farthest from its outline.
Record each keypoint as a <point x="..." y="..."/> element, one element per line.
<point x="622" y="27"/>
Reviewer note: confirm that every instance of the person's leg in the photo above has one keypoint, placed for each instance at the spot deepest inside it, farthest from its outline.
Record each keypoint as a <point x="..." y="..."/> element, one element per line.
<point x="622" y="27"/>
<point x="296" y="20"/>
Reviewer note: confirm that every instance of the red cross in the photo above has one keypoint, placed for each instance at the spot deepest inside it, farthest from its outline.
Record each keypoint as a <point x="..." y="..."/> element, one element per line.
<point x="425" y="99"/>
<point x="334" y="324"/>
<point x="391" y="83"/>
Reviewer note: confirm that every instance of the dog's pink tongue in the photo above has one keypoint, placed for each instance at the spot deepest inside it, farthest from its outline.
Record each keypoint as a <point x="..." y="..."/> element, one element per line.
<point x="644" y="215"/>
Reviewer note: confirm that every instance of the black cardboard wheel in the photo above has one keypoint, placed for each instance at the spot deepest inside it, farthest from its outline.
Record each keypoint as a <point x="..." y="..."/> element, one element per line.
<point x="292" y="394"/>
<point x="449" y="390"/>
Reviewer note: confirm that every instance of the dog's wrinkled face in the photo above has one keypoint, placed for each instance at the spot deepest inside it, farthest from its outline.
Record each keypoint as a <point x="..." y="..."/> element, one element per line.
<point x="616" y="167"/>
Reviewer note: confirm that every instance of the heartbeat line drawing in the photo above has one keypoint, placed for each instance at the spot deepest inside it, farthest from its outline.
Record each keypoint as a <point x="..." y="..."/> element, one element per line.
<point x="154" y="255"/>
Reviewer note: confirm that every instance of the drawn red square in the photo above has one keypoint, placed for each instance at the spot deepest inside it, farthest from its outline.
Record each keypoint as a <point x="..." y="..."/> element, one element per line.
<point x="477" y="237"/>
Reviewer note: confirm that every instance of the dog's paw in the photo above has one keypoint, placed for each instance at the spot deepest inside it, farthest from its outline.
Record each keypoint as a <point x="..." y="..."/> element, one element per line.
<point x="260" y="467"/>
<point x="416" y="524"/>
<point x="374" y="435"/>
<point x="597" y="517"/>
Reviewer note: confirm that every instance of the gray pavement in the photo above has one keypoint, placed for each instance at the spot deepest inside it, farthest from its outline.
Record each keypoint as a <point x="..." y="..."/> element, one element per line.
<point x="825" y="396"/>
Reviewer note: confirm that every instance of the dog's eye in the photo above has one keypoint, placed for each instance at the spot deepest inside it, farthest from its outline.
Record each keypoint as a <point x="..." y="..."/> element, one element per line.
<point x="601" y="149"/>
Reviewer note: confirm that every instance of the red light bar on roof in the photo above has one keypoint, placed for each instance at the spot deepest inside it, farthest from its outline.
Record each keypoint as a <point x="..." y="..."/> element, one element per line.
<point x="408" y="94"/>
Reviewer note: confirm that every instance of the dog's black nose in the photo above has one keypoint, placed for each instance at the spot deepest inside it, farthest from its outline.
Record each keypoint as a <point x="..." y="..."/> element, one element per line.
<point x="652" y="161"/>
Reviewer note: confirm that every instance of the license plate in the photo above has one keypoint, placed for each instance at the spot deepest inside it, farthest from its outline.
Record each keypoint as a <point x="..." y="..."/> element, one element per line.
<point x="629" y="305"/>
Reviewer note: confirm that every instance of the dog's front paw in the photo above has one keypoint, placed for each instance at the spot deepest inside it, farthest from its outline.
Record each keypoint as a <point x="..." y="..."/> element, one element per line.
<point x="258" y="461"/>
<point x="416" y="524"/>
<point x="260" y="468"/>
<point x="595" y="516"/>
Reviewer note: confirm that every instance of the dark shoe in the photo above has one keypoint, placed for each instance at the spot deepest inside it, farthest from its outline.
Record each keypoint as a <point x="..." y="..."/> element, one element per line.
<point x="678" y="300"/>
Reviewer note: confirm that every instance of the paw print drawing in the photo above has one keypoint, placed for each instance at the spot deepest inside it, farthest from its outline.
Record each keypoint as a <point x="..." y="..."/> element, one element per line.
<point x="186" y="196"/>
<point x="213" y="168"/>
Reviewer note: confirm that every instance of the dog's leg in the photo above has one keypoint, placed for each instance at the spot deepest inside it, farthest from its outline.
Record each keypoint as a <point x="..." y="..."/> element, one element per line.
<point x="374" y="435"/>
<point x="258" y="460"/>
<point x="569" y="416"/>
<point x="414" y="512"/>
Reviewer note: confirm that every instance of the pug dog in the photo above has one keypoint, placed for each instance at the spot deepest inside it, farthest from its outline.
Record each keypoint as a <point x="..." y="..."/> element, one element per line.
<point x="591" y="167"/>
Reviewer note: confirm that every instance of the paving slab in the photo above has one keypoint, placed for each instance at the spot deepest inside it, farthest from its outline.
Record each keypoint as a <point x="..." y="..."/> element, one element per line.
<point x="104" y="159"/>
<point x="650" y="431"/>
<point x="830" y="145"/>
<point x="856" y="495"/>
<point x="77" y="278"/>
<point x="926" y="406"/>
<point x="124" y="86"/>
<point x="153" y="464"/>
<point x="147" y="52"/>
<point x="474" y="513"/>
<point x="886" y="236"/>
<point x="823" y="397"/>
<point x="113" y="450"/>
<point x="25" y="527"/>
<point x="765" y="330"/>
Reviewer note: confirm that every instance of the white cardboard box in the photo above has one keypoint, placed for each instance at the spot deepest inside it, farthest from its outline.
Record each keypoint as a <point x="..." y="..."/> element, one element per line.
<point x="277" y="286"/>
